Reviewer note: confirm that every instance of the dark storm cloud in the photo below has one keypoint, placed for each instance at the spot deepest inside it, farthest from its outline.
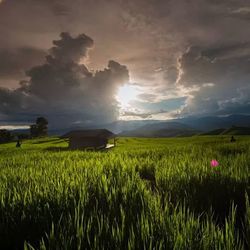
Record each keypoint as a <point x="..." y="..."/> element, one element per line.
<point x="66" y="91"/>
<point x="241" y="13"/>
<point x="37" y="23"/>
<point x="68" y="50"/>
<point x="14" y="62"/>
<point x="9" y="100"/>
<point x="62" y="72"/>
<point x="59" y="8"/>
<point x="238" y="104"/>
<point x="210" y="42"/>
<point x="224" y="65"/>
<point x="228" y="51"/>
<point x="220" y="73"/>
<point x="145" y="35"/>
<point x="190" y="23"/>
<point x="200" y="105"/>
<point x="171" y="74"/>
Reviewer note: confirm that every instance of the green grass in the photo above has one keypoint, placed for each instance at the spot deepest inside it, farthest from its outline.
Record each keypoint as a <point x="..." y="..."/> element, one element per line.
<point x="143" y="194"/>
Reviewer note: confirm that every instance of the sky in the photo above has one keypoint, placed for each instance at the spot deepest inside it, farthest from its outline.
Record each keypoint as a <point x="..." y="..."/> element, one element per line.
<point x="86" y="62"/>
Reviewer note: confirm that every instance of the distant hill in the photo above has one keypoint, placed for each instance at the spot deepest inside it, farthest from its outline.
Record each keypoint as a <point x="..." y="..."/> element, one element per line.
<point x="237" y="131"/>
<point x="162" y="129"/>
<point x="203" y="124"/>
<point x="208" y="123"/>
<point x="234" y="130"/>
<point x="214" y="132"/>
<point x="119" y="126"/>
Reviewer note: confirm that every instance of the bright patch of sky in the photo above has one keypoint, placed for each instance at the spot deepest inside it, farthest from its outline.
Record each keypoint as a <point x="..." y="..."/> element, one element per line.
<point x="14" y="127"/>
<point x="166" y="105"/>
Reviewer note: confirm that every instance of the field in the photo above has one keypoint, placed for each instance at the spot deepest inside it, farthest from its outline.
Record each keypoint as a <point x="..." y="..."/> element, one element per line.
<point x="143" y="194"/>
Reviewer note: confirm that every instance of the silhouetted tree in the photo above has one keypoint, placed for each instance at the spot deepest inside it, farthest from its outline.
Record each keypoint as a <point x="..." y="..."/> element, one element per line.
<point x="41" y="121"/>
<point x="22" y="136"/>
<point x="40" y="128"/>
<point x="5" y="136"/>
<point x="42" y="125"/>
<point x="34" y="130"/>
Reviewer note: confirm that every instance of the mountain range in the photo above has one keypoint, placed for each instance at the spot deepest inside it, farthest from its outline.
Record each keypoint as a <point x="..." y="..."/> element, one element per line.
<point x="233" y="124"/>
<point x="196" y="123"/>
<point x="162" y="129"/>
<point x="176" y="127"/>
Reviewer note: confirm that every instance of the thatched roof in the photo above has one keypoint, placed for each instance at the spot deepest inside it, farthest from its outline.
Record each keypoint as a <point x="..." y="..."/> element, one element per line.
<point x="100" y="133"/>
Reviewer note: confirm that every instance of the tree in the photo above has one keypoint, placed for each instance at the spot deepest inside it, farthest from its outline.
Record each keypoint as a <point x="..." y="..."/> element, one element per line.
<point x="42" y="121"/>
<point x="5" y="136"/>
<point x="40" y="128"/>
<point x="42" y="125"/>
<point x="33" y="130"/>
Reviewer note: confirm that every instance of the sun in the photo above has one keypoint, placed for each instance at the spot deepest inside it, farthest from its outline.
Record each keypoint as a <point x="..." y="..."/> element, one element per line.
<point x="126" y="94"/>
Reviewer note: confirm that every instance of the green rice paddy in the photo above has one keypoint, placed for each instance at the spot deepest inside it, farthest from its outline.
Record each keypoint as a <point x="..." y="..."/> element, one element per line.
<point x="142" y="194"/>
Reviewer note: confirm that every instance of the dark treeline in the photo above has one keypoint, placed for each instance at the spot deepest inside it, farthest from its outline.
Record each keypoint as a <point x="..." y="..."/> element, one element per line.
<point x="39" y="129"/>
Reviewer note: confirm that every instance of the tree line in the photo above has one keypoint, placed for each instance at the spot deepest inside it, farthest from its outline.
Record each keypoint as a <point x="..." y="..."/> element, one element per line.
<point x="39" y="129"/>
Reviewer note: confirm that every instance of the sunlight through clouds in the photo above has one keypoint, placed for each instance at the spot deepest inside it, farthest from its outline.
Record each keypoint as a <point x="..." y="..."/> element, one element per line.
<point x="126" y="94"/>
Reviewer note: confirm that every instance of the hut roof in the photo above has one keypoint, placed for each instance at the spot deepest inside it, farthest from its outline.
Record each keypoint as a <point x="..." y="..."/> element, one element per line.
<point x="100" y="133"/>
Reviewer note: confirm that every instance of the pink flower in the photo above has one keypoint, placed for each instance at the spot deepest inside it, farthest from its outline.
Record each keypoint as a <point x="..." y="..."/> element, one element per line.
<point x="214" y="163"/>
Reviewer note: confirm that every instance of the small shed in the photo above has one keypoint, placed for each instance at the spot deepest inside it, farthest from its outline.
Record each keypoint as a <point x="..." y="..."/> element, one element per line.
<point x="91" y="138"/>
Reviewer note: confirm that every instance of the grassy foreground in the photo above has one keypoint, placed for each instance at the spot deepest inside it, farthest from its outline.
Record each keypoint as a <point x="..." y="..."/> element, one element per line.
<point x="144" y="194"/>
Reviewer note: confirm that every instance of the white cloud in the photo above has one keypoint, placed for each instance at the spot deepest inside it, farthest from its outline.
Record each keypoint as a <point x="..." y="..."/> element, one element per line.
<point x="13" y="127"/>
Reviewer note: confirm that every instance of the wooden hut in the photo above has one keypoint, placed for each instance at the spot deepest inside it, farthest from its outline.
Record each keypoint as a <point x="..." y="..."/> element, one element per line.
<point x="90" y="139"/>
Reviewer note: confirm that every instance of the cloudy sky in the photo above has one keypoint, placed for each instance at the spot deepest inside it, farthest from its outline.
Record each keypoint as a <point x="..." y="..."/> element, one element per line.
<point x="96" y="61"/>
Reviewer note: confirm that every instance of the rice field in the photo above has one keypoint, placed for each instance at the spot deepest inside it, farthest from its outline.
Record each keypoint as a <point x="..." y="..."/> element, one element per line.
<point x="142" y="194"/>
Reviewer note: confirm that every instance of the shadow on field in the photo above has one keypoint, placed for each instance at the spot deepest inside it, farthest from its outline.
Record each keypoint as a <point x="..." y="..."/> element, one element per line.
<point x="57" y="149"/>
<point x="57" y="141"/>
<point x="61" y="149"/>
<point x="46" y="141"/>
<point x="226" y="151"/>
<point x="211" y="193"/>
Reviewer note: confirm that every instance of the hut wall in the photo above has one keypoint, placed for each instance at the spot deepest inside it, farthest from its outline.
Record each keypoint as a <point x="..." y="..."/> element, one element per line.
<point x="81" y="143"/>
